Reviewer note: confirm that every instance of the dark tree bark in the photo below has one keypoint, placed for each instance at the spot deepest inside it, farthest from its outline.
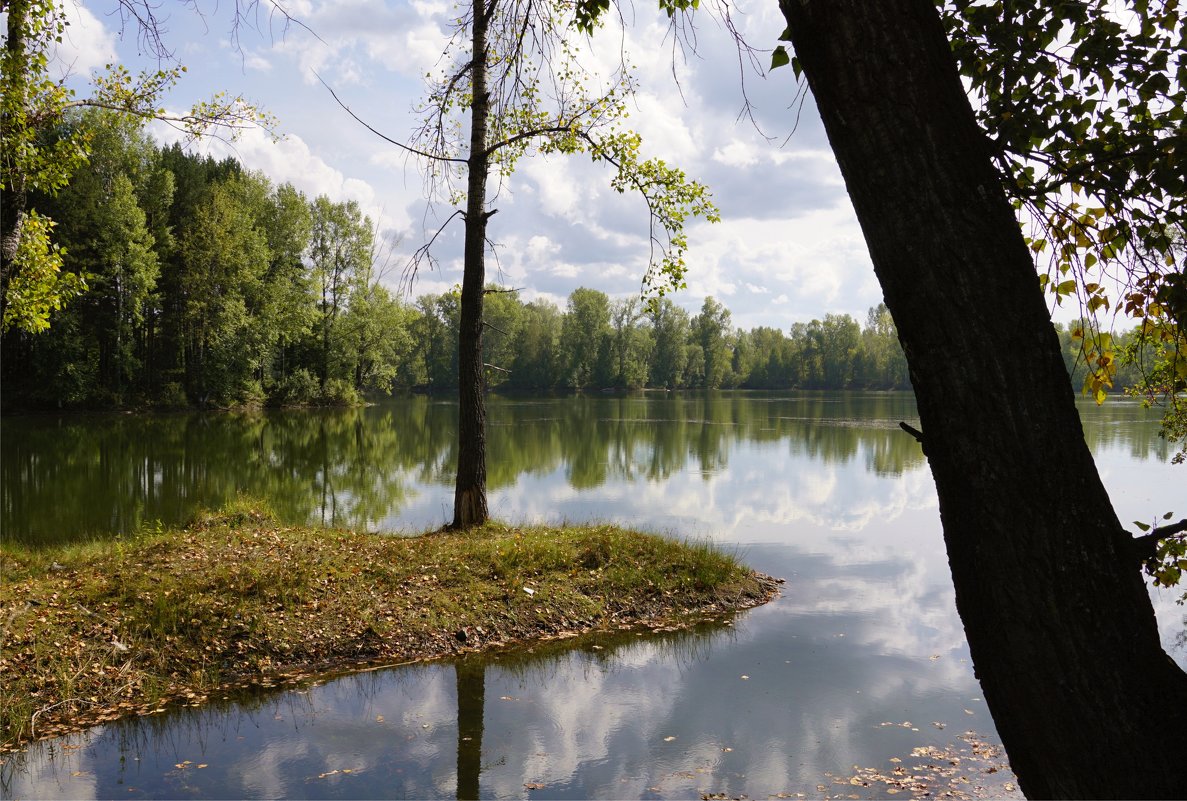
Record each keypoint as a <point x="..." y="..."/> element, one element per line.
<point x="13" y="198"/>
<point x="1062" y="632"/>
<point x="469" y="497"/>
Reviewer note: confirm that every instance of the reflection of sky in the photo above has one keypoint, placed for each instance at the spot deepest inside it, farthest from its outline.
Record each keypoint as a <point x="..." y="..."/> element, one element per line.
<point x="864" y="634"/>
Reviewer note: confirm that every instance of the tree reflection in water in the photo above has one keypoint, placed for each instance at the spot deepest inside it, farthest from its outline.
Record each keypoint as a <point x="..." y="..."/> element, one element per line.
<point x="79" y="476"/>
<point x="470" y="679"/>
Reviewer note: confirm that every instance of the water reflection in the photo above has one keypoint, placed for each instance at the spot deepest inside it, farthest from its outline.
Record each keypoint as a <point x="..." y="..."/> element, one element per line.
<point x="470" y="679"/>
<point x="392" y="464"/>
<point x="860" y="661"/>
<point x="67" y="477"/>
<point x="779" y="702"/>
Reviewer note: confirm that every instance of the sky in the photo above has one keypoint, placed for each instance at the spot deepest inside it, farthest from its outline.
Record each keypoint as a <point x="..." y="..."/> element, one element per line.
<point x="788" y="248"/>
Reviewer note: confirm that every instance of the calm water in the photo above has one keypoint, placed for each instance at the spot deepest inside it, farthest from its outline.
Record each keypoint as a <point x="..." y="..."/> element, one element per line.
<point x="859" y="663"/>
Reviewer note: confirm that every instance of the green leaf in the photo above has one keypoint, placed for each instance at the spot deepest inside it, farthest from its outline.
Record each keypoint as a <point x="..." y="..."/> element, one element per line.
<point x="1142" y="526"/>
<point x="780" y="58"/>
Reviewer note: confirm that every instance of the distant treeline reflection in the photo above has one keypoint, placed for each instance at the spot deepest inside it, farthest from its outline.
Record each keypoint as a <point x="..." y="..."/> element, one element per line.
<point x="73" y="476"/>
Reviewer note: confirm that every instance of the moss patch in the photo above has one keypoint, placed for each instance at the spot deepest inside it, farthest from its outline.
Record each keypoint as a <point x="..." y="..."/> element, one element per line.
<point x="95" y="632"/>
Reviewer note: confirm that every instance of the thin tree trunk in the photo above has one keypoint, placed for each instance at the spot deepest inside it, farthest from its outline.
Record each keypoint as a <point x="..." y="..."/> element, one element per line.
<point x="469" y="499"/>
<point x="1061" y="629"/>
<point x="325" y="337"/>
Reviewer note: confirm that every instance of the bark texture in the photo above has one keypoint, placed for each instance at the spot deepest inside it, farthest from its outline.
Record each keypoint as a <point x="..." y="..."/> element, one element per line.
<point x="469" y="496"/>
<point x="1062" y="632"/>
<point x="13" y="200"/>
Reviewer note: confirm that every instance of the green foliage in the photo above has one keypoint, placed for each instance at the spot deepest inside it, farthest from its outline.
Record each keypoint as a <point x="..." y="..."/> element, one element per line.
<point x="585" y="338"/>
<point x="41" y="152"/>
<point x="35" y="285"/>
<point x="710" y="330"/>
<point x="1169" y="562"/>
<point x="670" y="196"/>
<point x="31" y="100"/>
<point x="298" y="388"/>
<point x="543" y="100"/>
<point x="1159" y="348"/>
<point x="536" y="364"/>
<point x="202" y="280"/>
<point x="340" y="252"/>
<point x="630" y="344"/>
<point x="1084" y="105"/>
<point x="670" y="331"/>
<point x="339" y="392"/>
<point x="211" y="286"/>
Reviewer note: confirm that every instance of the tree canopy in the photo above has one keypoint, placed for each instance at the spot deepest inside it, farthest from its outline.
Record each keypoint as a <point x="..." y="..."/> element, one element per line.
<point x="41" y="151"/>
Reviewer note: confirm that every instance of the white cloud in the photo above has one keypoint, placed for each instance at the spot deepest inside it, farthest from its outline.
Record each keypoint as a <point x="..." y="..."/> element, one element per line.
<point x="87" y="44"/>
<point x="736" y="154"/>
<point x="788" y="248"/>
<point x="254" y="61"/>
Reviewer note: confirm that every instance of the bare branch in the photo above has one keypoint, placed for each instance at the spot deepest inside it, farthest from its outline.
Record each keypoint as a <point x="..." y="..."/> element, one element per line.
<point x="401" y="145"/>
<point x="914" y="432"/>
<point x="424" y="253"/>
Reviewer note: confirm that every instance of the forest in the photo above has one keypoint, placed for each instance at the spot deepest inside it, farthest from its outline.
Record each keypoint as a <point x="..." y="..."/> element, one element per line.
<point x="209" y="286"/>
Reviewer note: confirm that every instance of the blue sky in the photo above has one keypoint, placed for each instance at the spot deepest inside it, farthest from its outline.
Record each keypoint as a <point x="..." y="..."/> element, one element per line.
<point x="788" y="248"/>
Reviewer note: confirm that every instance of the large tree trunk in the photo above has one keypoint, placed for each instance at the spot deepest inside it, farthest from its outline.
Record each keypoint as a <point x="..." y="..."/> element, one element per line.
<point x="1061" y="629"/>
<point x="469" y="495"/>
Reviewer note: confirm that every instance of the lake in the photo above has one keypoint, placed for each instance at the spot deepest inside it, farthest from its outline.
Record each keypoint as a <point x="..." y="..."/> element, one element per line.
<point x="854" y="683"/>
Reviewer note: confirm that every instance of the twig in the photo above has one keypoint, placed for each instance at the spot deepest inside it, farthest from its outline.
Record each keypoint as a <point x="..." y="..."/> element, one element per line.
<point x="423" y="252"/>
<point x="359" y="120"/>
<point x="914" y="432"/>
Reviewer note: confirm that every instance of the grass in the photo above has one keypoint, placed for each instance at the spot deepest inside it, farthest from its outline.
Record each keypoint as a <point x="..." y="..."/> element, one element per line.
<point x="96" y="631"/>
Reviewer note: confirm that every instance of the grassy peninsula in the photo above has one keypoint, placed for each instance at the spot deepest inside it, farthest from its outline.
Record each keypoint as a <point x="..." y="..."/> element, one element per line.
<point x="131" y="626"/>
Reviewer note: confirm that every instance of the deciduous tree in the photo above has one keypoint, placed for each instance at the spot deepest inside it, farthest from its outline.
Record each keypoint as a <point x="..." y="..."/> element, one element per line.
<point x="512" y="83"/>
<point x="1061" y="629"/>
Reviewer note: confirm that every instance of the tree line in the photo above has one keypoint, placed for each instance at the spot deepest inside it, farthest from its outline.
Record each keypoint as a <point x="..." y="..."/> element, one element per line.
<point x="209" y="286"/>
<point x="205" y="285"/>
